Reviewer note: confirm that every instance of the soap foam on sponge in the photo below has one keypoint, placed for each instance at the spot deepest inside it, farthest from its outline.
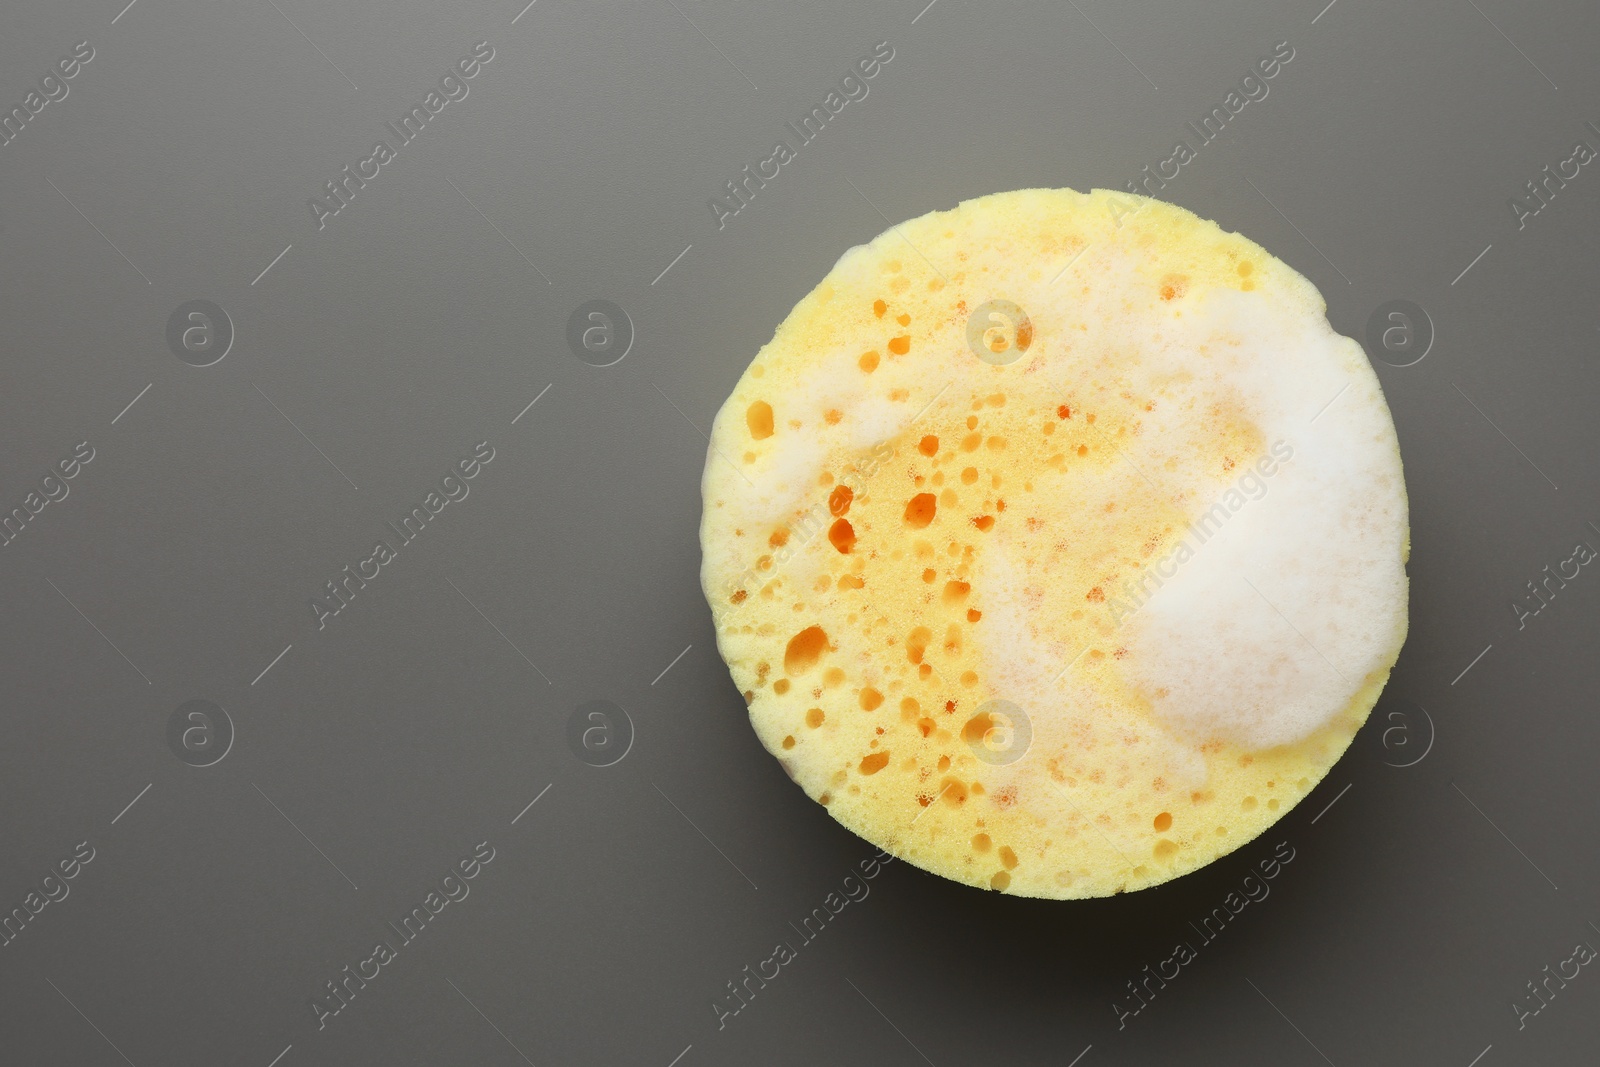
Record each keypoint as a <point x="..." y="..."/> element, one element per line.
<point x="1169" y="535"/>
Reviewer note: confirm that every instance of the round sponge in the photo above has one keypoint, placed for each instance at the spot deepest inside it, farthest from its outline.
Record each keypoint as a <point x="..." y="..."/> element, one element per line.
<point x="1056" y="542"/>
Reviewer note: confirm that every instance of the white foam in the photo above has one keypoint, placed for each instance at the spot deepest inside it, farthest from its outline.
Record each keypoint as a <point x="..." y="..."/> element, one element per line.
<point x="1273" y="623"/>
<point x="1280" y="616"/>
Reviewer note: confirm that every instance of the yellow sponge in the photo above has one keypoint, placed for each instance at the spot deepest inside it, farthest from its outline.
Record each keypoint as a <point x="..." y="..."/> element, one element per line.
<point x="1057" y="542"/>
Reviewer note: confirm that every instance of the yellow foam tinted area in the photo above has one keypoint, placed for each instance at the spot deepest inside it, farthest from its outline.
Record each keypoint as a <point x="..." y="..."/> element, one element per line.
<point x="1086" y="613"/>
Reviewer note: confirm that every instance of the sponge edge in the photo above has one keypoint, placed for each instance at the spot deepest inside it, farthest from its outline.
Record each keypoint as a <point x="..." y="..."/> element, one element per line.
<point x="1160" y="525"/>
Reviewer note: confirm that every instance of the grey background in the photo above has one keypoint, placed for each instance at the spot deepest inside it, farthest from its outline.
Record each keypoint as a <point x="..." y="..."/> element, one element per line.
<point x="378" y="751"/>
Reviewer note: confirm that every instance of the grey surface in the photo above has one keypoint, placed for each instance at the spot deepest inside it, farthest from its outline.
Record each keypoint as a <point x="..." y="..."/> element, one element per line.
<point x="381" y="749"/>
